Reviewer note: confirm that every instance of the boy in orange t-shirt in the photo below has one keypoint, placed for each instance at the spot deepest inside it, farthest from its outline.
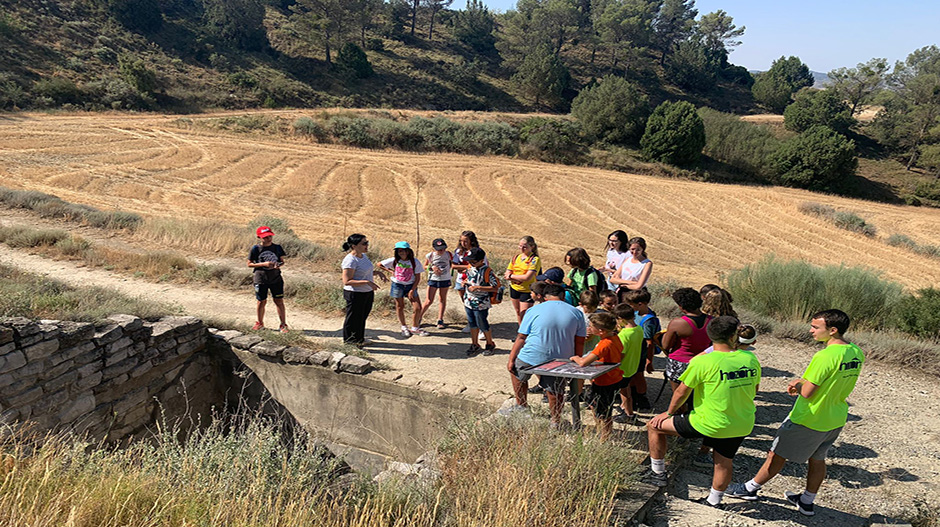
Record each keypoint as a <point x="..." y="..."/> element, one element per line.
<point x="607" y="386"/>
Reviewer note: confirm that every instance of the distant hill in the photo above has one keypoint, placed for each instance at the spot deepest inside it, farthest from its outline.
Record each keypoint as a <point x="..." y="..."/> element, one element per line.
<point x="821" y="79"/>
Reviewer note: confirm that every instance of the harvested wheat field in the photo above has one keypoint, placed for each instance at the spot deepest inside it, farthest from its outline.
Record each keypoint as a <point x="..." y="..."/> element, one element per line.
<point x="695" y="231"/>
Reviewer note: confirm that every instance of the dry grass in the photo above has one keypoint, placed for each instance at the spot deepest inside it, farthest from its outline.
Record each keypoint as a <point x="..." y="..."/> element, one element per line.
<point x="695" y="231"/>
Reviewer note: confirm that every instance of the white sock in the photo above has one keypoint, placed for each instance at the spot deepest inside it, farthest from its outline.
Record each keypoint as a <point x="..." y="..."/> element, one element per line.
<point x="752" y="485"/>
<point x="414" y="328"/>
<point x="658" y="465"/>
<point x="714" y="496"/>
<point x="404" y="327"/>
<point x="808" y="497"/>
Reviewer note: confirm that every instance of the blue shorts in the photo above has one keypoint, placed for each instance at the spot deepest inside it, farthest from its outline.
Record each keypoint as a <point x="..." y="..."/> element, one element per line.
<point x="400" y="290"/>
<point x="477" y="318"/>
<point x="440" y="284"/>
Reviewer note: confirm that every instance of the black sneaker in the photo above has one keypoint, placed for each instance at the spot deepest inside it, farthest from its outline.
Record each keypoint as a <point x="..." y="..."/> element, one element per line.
<point x="739" y="490"/>
<point x="655" y="479"/>
<point x="489" y="350"/>
<point x="473" y="350"/>
<point x="704" y="501"/>
<point x="536" y="389"/>
<point x="806" y="509"/>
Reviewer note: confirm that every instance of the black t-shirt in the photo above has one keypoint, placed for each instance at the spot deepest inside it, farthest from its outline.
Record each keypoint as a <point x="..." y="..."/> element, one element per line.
<point x="271" y="253"/>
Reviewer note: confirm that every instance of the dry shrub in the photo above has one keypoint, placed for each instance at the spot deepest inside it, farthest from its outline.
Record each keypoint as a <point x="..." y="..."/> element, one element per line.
<point x="19" y="236"/>
<point x="203" y="235"/>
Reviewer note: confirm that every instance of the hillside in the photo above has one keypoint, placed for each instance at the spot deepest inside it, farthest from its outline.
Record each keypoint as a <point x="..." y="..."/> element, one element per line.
<point x="77" y="56"/>
<point x="696" y="231"/>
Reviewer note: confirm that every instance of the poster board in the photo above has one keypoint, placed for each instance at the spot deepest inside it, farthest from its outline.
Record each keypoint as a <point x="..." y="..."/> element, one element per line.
<point x="570" y="370"/>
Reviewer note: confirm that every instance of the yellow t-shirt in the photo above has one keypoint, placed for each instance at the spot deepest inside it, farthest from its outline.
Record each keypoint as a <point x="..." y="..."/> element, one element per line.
<point x="522" y="264"/>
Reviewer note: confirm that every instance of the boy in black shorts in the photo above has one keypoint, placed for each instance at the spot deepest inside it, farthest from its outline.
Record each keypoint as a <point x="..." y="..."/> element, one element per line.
<point x="725" y="382"/>
<point x="266" y="259"/>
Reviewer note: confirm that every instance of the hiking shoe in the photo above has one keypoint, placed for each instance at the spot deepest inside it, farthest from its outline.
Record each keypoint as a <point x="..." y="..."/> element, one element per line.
<point x="514" y="410"/>
<point x="419" y="332"/>
<point x="704" y="501"/>
<point x="440" y="324"/>
<point x="652" y="478"/>
<point x="806" y="509"/>
<point x="258" y="326"/>
<point x="626" y="419"/>
<point x="536" y="389"/>
<point x="703" y="460"/>
<point x="739" y="490"/>
<point x="473" y="350"/>
<point x="466" y="329"/>
<point x="490" y="349"/>
<point x="284" y="328"/>
<point x="405" y="332"/>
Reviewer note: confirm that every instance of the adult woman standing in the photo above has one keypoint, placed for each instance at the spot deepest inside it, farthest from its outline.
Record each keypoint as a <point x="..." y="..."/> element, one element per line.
<point x="358" y="288"/>
<point x="618" y="251"/>
<point x="521" y="274"/>
<point x="635" y="271"/>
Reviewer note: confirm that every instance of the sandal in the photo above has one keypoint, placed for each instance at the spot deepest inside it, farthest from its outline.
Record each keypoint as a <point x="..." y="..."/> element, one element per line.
<point x="473" y="350"/>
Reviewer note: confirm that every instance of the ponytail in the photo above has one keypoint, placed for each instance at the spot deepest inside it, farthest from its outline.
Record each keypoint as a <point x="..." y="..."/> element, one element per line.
<point x="352" y="241"/>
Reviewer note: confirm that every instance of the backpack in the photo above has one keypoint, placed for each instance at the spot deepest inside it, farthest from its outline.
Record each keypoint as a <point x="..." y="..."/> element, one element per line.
<point x="601" y="280"/>
<point x="496" y="297"/>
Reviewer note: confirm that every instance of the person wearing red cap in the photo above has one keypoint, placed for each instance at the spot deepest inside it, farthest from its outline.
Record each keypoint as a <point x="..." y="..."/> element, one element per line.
<point x="266" y="258"/>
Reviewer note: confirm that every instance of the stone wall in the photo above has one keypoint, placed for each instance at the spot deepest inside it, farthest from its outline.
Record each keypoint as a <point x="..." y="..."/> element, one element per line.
<point x="105" y="380"/>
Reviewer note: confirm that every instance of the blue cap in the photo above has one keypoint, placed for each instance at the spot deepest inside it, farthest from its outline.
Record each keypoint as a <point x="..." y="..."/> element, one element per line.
<point x="402" y="245"/>
<point x="554" y="274"/>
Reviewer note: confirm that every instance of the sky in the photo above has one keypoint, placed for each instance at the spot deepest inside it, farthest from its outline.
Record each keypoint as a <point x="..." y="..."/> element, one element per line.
<point x="824" y="34"/>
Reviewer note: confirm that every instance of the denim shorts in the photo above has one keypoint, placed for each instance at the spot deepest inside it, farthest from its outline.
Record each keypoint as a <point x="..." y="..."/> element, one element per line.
<point x="440" y="284"/>
<point x="477" y="318"/>
<point x="400" y="290"/>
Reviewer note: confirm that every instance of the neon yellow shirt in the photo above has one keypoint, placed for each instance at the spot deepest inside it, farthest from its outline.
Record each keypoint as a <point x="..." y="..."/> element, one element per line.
<point x="725" y="384"/>
<point x="522" y="264"/>
<point x="835" y="370"/>
<point x="632" y="339"/>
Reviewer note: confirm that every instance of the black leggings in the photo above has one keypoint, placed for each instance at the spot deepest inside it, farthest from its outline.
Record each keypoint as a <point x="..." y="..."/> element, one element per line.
<point x="358" y="307"/>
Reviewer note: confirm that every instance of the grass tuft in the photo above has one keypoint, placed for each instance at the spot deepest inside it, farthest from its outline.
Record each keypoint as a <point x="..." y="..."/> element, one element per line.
<point x="49" y="206"/>
<point x="842" y="219"/>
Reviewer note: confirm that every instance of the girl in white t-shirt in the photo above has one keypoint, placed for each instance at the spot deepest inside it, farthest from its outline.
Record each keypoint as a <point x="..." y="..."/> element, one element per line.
<point x="438" y="263"/>
<point x="634" y="272"/>
<point x="618" y="251"/>
<point x="406" y="275"/>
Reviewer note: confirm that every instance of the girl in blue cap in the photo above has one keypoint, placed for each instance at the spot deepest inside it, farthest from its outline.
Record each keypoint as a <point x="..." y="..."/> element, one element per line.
<point x="406" y="275"/>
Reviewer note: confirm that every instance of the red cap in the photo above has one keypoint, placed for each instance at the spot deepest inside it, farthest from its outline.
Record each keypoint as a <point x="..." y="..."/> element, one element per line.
<point x="264" y="232"/>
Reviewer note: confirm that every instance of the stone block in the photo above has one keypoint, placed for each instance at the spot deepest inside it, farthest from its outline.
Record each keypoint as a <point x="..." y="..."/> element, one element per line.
<point x="50" y="404"/>
<point x="96" y="354"/>
<point x="356" y="365"/>
<point x="6" y="334"/>
<point x="120" y="368"/>
<point x="171" y="375"/>
<point x="108" y="389"/>
<point x="192" y="335"/>
<point x="160" y="330"/>
<point x="112" y="359"/>
<point x="123" y="343"/>
<point x="76" y="409"/>
<point x="165" y="344"/>
<point x="183" y="325"/>
<point x="52" y="373"/>
<point x="335" y="358"/>
<point x="128" y="323"/>
<point x="245" y="342"/>
<point x="320" y="358"/>
<point x="22" y="327"/>
<point x="12" y="361"/>
<point x="107" y="334"/>
<point x="9" y="416"/>
<point x="64" y="354"/>
<point x="228" y="334"/>
<point x="267" y="349"/>
<point x="89" y="369"/>
<point x="41" y="350"/>
<point x="29" y="340"/>
<point x="31" y="371"/>
<point x="141" y="369"/>
<point x="61" y="381"/>
<point x="89" y="381"/>
<point x="49" y="331"/>
<point x="8" y="347"/>
<point x="188" y="347"/>
<point x="139" y="416"/>
<point x="11" y="390"/>
<point x="75" y="332"/>
<point x="136" y="398"/>
<point x="296" y="355"/>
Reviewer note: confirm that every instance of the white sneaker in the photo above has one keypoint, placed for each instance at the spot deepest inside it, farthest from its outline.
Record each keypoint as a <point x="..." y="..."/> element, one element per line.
<point x="419" y="332"/>
<point x="466" y="329"/>
<point x="405" y="332"/>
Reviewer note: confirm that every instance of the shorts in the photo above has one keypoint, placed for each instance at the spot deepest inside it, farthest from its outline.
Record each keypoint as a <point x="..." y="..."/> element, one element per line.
<point x="675" y="369"/>
<point x="604" y="397"/>
<point x="477" y="318"/>
<point x="726" y="446"/>
<point x="400" y="290"/>
<point x="520" y="296"/>
<point x="552" y="385"/>
<point x="797" y="443"/>
<point x="276" y="289"/>
<point x="440" y="284"/>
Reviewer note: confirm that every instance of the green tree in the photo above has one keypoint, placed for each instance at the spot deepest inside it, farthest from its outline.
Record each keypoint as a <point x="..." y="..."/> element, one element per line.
<point x="542" y="77"/>
<point x="623" y="27"/>
<point x="817" y="159"/>
<point x="613" y="110"/>
<point x="775" y="87"/>
<point x="474" y="27"/>
<point x="136" y="73"/>
<point x="693" y="67"/>
<point x="364" y="13"/>
<point x="324" y="20"/>
<point x="858" y="85"/>
<point x="793" y="72"/>
<point x="815" y="107"/>
<point x="351" y="58"/>
<point x="141" y="15"/>
<point x="674" y="23"/>
<point x="718" y="32"/>
<point x="237" y="22"/>
<point x="917" y="81"/>
<point x="674" y="134"/>
<point x="435" y="7"/>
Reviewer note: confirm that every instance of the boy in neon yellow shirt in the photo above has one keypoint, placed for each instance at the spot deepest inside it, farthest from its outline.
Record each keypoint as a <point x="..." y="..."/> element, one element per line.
<point x="818" y="415"/>
<point x="725" y="383"/>
<point x="631" y="336"/>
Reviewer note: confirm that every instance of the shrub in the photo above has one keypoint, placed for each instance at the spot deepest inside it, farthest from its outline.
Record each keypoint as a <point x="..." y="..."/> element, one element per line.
<point x="794" y="290"/>
<point x="392" y="134"/>
<point x="927" y="190"/>
<point x="136" y="73"/>
<point x="771" y="92"/>
<point x="352" y="59"/>
<point x="237" y="22"/>
<point x="115" y="93"/>
<point x="12" y="95"/>
<point x="60" y="90"/>
<point x="920" y="314"/>
<point x="375" y="44"/>
<point x="900" y="240"/>
<point x="691" y="67"/>
<point x="613" y="110"/>
<point x="142" y="15"/>
<point x="438" y="134"/>
<point x="818" y="107"/>
<point x="487" y="138"/>
<point x="310" y="128"/>
<point x="855" y="223"/>
<point x="354" y="131"/>
<point x="50" y="206"/>
<point x="744" y="146"/>
<point x="817" y="159"/>
<point x="817" y="209"/>
<point x="20" y="236"/>
<point x="674" y="134"/>
<point x="551" y="140"/>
